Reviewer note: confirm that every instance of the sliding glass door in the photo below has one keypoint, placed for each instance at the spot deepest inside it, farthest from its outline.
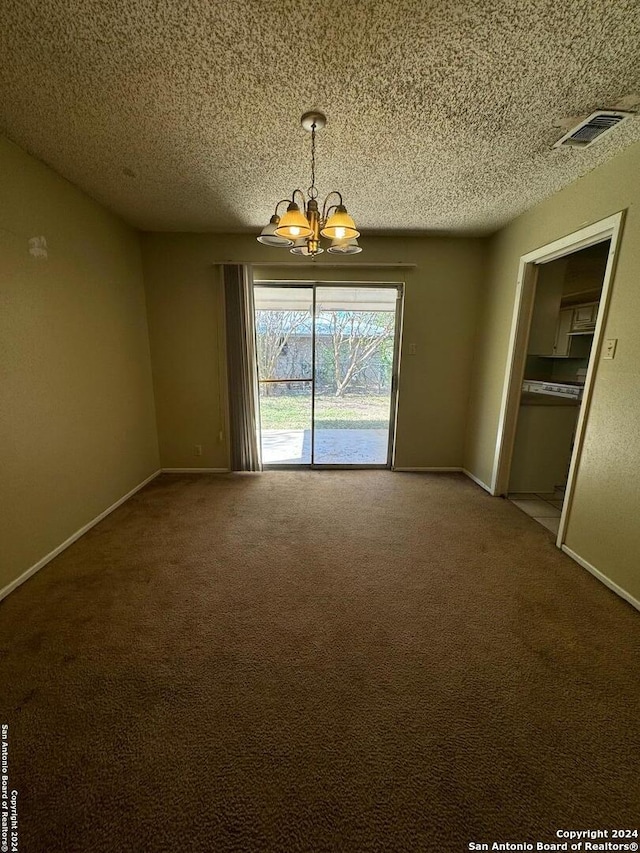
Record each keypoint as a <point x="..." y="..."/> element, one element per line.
<point x="284" y="337"/>
<point x="327" y="363"/>
<point x="354" y="370"/>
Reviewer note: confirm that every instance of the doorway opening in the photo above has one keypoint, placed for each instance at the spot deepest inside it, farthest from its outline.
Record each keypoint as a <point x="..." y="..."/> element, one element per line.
<point x="556" y="342"/>
<point x="327" y="372"/>
<point x="563" y="321"/>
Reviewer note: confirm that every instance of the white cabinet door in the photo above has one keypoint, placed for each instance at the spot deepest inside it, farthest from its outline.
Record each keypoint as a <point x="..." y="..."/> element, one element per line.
<point x="546" y="307"/>
<point x="563" y="341"/>
<point x="584" y="317"/>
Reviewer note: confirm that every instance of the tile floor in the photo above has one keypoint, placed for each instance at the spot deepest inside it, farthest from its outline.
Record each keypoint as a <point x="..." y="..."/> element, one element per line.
<point x="543" y="508"/>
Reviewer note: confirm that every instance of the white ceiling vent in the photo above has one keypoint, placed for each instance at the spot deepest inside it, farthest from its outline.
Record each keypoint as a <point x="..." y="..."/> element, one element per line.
<point x="592" y="128"/>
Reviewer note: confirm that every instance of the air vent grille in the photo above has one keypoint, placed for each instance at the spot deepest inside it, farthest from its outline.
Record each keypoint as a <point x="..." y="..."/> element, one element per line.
<point x="592" y="128"/>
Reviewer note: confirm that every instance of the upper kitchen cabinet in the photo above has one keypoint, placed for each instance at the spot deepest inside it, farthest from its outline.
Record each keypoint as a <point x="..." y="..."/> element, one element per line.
<point x="574" y="332"/>
<point x="546" y="307"/>
<point x="565" y="307"/>
<point x="584" y="317"/>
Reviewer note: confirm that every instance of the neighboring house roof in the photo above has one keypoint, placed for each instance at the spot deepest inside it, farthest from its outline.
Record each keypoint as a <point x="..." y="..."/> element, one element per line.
<point x="323" y="328"/>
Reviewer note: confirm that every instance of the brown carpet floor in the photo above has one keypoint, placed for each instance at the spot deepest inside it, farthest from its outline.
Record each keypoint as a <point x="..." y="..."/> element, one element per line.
<point x="317" y="661"/>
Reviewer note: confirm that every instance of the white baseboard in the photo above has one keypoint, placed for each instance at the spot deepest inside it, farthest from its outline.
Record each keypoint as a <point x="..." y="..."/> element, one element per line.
<point x="74" y="536"/>
<point x="428" y="470"/>
<point x="448" y="470"/>
<point x="602" y="578"/>
<point x="477" y="480"/>
<point x="195" y="471"/>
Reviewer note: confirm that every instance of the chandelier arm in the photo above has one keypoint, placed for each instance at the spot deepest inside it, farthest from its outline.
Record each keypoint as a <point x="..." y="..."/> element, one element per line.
<point x="325" y="209"/>
<point x="304" y="202"/>
<point x="282" y="201"/>
<point x="329" y="209"/>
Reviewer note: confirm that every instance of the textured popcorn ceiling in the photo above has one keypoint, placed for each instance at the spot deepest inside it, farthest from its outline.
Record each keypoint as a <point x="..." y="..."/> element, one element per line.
<point x="185" y="115"/>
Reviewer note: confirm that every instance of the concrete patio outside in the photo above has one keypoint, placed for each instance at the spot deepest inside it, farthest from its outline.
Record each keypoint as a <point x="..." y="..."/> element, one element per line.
<point x="332" y="446"/>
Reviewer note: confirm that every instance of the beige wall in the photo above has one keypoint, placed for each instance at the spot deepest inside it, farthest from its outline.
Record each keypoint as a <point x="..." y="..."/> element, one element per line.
<point x="77" y="421"/>
<point x="186" y="327"/>
<point x="603" y="526"/>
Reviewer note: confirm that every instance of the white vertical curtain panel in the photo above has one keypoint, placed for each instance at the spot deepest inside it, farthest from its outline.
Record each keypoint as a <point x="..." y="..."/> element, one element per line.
<point x="242" y="369"/>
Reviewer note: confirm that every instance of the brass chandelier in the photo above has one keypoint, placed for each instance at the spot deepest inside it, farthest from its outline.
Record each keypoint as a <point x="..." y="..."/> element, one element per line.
<point x="300" y="228"/>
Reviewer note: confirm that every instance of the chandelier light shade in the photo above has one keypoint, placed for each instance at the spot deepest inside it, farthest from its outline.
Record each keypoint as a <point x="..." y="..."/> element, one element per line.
<point x="344" y="247"/>
<point x="294" y="224"/>
<point x="340" y="226"/>
<point x="269" y="237"/>
<point x="301" y="227"/>
<point x="300" y="247"/>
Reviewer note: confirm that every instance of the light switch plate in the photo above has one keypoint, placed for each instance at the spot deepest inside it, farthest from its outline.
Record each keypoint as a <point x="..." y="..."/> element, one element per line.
<point x="413" y="349"/>
<point x="610" y="348"/>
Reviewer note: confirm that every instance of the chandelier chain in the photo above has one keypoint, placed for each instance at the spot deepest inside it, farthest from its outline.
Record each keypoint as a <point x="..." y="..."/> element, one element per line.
<point x="312" y="191"/>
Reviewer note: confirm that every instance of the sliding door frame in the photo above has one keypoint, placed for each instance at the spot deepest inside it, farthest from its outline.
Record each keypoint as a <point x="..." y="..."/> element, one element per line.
<point x="313" y="374"/>
<point x="398" y="286"/>
<point x="294" y="285"/>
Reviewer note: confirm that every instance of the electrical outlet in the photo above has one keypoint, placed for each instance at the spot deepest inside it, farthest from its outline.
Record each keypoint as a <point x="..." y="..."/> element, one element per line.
<point x="197" y="450"/>
<point x="413" y="349"/>
<point x="610" y="348"/>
